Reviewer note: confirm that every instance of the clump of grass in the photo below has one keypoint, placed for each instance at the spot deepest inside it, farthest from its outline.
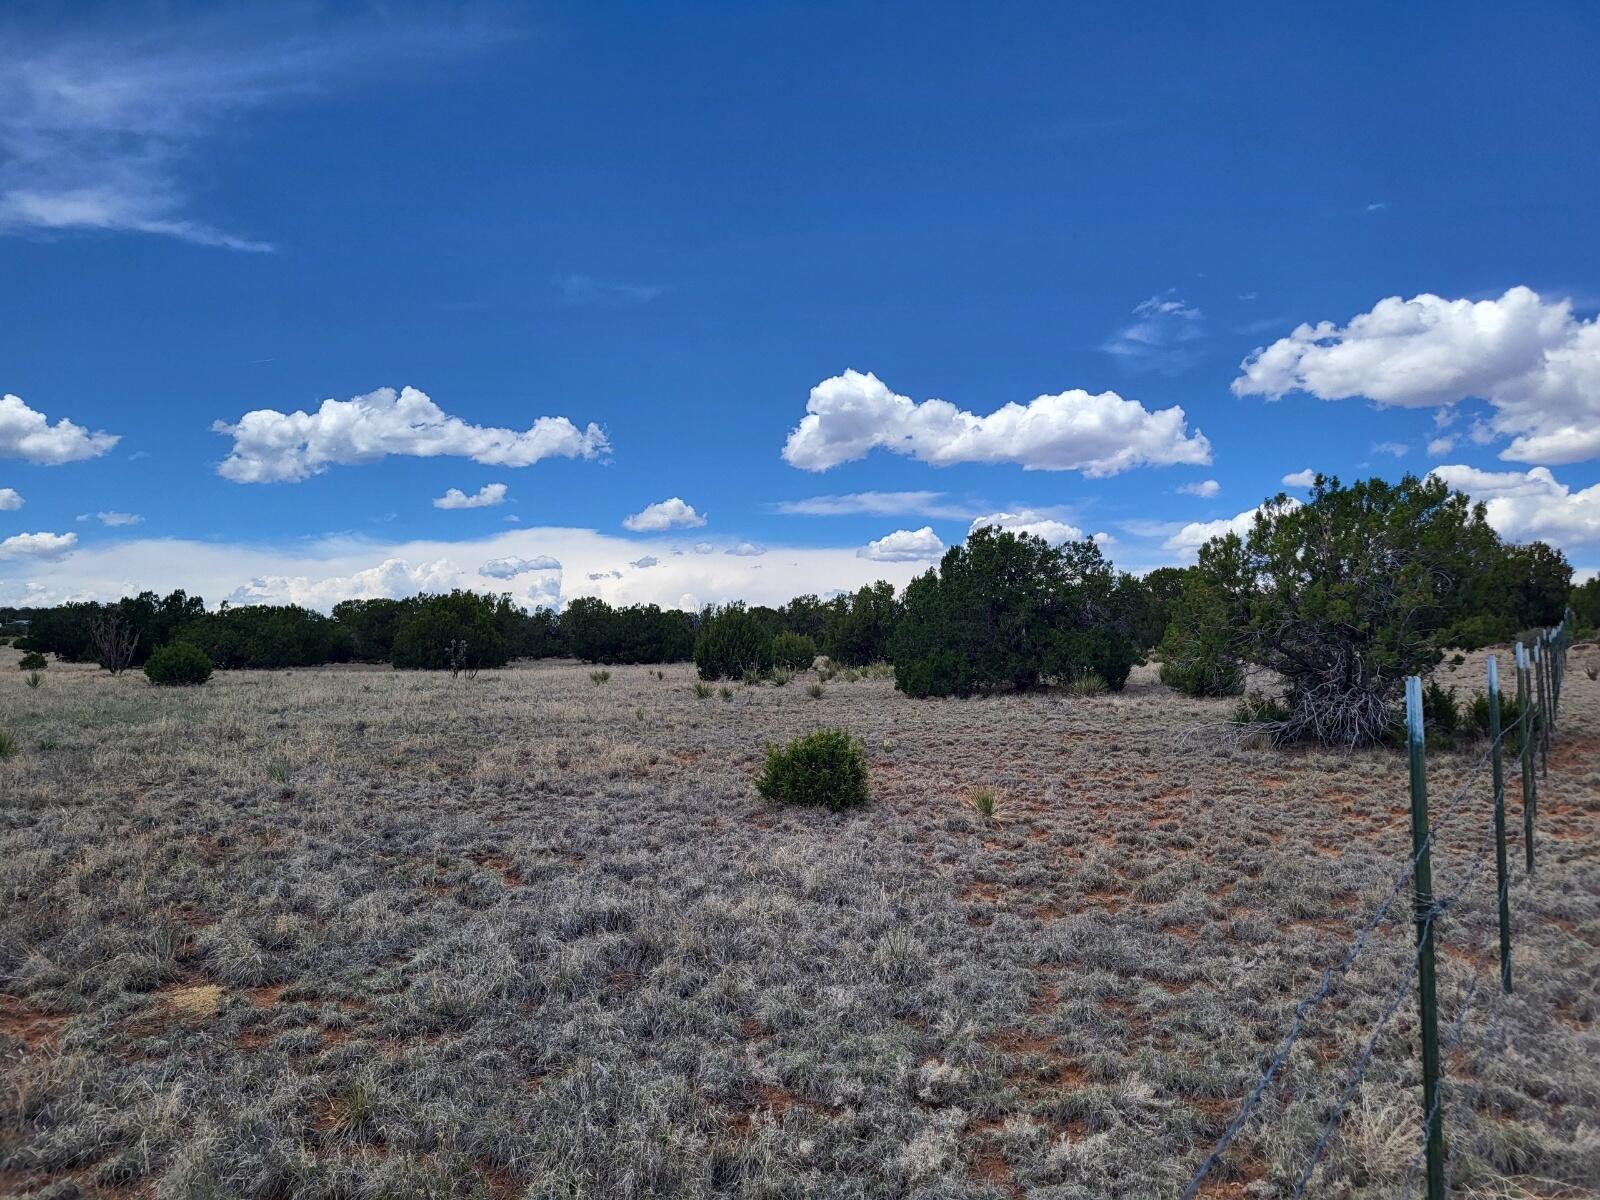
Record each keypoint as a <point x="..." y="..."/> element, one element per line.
<point x="599" y="677"/>
<point x="1087" y="683"/>
<point x="781" y="676"/>
<point x="661" y="674"/>
<point x="814" y="691"/>
<point x="725" y="692"/>
<point x="8" y="745"/>
<point x="828" y="767"/>
<point x="702" y="691"/>
<point x="34" y="678"/>
<point x="985" y="804"/>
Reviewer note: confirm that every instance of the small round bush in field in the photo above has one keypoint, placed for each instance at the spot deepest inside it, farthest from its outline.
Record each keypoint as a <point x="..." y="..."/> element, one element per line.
<point x="828" y="767"/>
<point x="32" y="661"/>
<point x="178" y="664"/>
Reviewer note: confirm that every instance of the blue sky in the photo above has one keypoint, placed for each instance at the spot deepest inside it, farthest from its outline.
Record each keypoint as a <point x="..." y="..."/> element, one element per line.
<point x="672" y="223"/>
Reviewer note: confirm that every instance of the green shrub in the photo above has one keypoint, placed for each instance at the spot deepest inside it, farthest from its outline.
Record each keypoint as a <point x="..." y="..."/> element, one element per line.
<point x="32" y="661"/>
<point x="732" y="643"/>
<point x="702" y="691"/>
<point x="793" y="650"/>
<point x="725" y="692"/>
<point x="1510" y="715"/>
<point x="427" y="631"/>
<point x="1441" y="712"/>
<point x="1260" y="709"/>
<point x="1200" y="653"/>
<point x="8" y="745"/>
<point x="177" y="664"/>
<point x="828" y="767"/>
<point x="780" y="676"/>
<point x="1347" y="594"/>
<point x="639" y="633"/>
<point x="814" y="691"/>
<point x="599" y="677"/>
<point x="1004" y="611"/>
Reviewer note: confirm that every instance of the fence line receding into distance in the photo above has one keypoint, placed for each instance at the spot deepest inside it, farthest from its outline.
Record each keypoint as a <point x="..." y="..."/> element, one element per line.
<point x="1540" y="670"/>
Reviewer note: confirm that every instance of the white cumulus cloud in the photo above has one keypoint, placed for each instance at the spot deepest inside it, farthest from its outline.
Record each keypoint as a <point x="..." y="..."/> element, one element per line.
<point x="489" y="495"/>
<point x="645" y="561"/>
<point x="392" y="579"/>
<point x="1028" y="520"/>
<point x="1536" y="364"/>
<point x="27" y="434"/>
<point x="904" y="545"/>
<point x="1195" y="534"/>
<point x="1531" y="505"/>
<point x="746" y="550"/>
<point x="1206" y="488"/>
<point x="1304" y="479"/>
<point x="511" y="566"/>
<point x="10" y="500"/>
<point x="671" y="513"/>
<point x="38" y="545"/>
<point x="274" y="447"/>
<point x="849" y="415"/>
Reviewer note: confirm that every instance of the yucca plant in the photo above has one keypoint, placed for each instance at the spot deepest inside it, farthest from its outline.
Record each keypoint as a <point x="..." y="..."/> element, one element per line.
<point x="814" y="691"/>
<point x="985" y="804"/>
<point x="34" y="678"/>
<point x="725" y="692"/>
<point x="599" y="677"/>
<point x="8" y="744"/>
<point x="702" y="691"/>
<point x="1087" y="683"/>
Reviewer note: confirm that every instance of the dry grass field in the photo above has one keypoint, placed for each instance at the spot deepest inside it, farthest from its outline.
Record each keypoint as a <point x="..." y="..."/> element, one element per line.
<point x="359" y="933"/>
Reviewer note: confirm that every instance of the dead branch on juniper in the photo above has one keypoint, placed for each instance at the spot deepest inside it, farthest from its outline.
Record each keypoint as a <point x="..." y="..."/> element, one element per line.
<point x="114" y="642"/>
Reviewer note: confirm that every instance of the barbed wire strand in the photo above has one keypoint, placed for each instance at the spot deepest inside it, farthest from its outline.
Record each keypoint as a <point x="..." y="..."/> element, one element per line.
<point x="1329" y="976"/>
<point x="1398" y="997"/>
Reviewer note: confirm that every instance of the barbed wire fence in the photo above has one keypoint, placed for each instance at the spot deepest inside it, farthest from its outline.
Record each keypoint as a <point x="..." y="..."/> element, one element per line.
<point x="1540" y="670"/>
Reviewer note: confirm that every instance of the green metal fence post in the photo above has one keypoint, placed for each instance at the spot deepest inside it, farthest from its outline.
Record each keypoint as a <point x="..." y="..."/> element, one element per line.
<point x="1539" y="675"/>
<point x="1500" y="825"/>
<point x="1422" y="900"/>
<point x="1529" y="784"/>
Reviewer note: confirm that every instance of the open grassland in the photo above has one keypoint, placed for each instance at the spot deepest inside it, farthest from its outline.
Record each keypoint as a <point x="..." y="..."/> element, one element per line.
<point x="349" y="932"/>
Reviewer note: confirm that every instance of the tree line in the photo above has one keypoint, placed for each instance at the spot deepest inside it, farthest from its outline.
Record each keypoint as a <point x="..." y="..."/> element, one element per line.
<point x="1340" y="597"/>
